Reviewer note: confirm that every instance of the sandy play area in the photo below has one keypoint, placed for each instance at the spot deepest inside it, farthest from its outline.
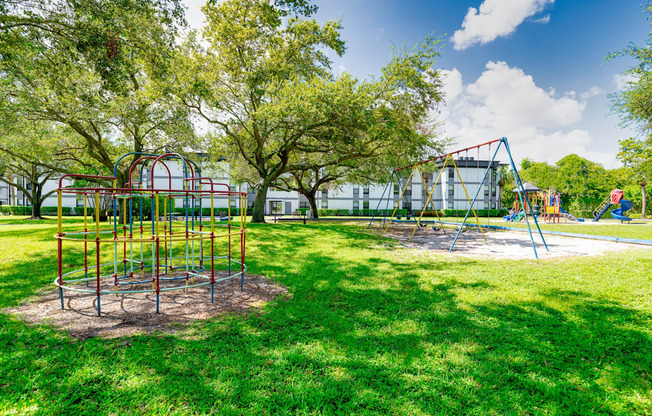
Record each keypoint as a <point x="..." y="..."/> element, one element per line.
<point x="503" y="244"/>
<point x="135" y="313"/>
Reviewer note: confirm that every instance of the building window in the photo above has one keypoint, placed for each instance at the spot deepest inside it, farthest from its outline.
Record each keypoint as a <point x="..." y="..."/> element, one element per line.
<point x="277" y="207"/>
<point x="493" y="205"/>
<point x="451" y="190"/>
<point x="324" y="193"/>
<point x="356" y="205"/>
<point x="365" y="190"/>
<point x="356" y="189"/>
<point x="303" y="205"/>
<point x="233" y="202"/>
<point x="396" y="189"/>
<point x="324" y="204"/>
<point x="451" y="205"/>
<point x="365" y="205"/>
<point x="451" y="173"/>
<point x="407" y="205"/>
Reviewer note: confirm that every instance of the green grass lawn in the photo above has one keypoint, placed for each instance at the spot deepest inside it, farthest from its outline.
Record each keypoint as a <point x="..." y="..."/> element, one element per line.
<point x="370" y="328"/>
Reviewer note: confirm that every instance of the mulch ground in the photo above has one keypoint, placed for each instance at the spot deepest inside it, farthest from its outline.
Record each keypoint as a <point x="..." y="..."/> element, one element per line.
<point x="129" y="314"/>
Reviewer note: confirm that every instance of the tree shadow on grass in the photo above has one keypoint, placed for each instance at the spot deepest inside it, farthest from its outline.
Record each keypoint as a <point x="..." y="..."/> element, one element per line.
<point x="360" y="335"/>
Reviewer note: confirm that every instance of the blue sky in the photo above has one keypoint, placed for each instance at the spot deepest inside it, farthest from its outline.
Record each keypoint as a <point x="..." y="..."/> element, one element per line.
<point x="530" y="70"/>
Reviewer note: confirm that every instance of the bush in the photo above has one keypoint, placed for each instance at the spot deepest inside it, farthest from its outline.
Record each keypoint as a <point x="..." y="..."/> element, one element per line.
<point x="15" y="210"/>
<point x="479" y="212"/>
<point x="27" y="210"/>
<point x="206" y="212"/>
<point x="333" y="212"/>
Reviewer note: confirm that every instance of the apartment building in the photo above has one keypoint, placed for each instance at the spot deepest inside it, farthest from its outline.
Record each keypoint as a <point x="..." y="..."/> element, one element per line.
<point x="449" y="192"/>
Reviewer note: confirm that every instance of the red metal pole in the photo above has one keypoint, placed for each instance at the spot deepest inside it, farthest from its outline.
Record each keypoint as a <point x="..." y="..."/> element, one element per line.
<point x="446" y="155"/>
<point x="97" y="259"/>
<point x="158" y="284"/>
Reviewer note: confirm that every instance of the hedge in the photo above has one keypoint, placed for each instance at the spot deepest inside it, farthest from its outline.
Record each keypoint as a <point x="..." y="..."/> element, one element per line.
<point x="479" y="212"/>
<point x="206" y="212"/>
<point x="404" y="212"/>
<point x="27" y="210"/>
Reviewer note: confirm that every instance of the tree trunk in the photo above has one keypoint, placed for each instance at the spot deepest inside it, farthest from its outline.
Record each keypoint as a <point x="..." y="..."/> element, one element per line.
<point x="312" y="201"/>
<point x="36" y="210"/>
<point x="643" y="202"/>
<point x="36" y="202"/>
<point x="258" y="214"/>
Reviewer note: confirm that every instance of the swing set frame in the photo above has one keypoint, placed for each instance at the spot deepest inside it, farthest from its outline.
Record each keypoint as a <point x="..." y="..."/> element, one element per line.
<point x="449" y="160"/>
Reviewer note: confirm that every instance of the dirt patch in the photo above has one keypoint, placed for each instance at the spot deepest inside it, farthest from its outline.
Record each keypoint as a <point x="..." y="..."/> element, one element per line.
<point x="129" y="314"/>
<point x="502" y="244"/>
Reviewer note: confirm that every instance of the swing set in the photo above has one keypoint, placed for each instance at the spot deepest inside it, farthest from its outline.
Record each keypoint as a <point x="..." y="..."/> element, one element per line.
<point x="448" y="161"/>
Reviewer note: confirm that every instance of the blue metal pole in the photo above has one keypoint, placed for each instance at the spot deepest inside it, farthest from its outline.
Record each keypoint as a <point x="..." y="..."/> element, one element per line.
<point x="486" y="172"/>
<point x="517" y="177"/>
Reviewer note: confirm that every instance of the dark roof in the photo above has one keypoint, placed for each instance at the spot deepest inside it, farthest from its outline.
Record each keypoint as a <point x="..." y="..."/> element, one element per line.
<point x="528" y="187"/>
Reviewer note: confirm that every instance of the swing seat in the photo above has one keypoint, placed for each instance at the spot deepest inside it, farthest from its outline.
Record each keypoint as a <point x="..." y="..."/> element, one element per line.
<point x="435" y="228"/>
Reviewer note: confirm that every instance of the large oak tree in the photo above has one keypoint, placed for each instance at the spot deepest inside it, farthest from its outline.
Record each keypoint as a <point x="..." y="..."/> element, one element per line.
<point x="264" y="82"/>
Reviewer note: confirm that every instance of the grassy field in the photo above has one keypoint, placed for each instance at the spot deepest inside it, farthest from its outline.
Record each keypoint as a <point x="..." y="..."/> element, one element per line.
<point x="371" y="328"/>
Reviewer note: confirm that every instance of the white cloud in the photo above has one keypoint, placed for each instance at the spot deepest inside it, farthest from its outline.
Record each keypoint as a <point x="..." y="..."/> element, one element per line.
<point x="592" y="92"/>
<point x="621" y="80"/>
<point x="194" y="15"/>
<point x="506" y="102"/>
<point x="495" y="18"/>
<point x="452" y="86"/>
<point x="543" y="20"/>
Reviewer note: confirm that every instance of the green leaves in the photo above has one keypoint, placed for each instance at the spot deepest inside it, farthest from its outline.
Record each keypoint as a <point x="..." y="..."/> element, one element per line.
<point x="102" y="68"/>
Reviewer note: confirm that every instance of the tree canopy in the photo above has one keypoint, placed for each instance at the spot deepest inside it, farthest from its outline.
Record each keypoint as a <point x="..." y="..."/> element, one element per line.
<point x="99" y="67"/>
<point x="264" y="82"/>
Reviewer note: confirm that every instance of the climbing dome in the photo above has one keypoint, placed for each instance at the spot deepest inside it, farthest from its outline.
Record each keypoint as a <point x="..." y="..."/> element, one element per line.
<point x="134" y="239"/>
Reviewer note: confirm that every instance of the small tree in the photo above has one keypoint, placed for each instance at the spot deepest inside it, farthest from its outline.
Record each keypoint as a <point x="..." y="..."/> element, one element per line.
<point x="27" y="151"/>
<point x="636" y="155"/>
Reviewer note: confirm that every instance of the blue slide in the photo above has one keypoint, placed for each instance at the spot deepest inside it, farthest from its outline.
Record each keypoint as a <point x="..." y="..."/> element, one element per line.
<point x="570" y="216"/>
<point x="625" y="205"/>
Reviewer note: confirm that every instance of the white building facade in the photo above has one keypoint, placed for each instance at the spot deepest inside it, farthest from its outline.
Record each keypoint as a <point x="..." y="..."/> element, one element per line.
<point x="449" y="192"/>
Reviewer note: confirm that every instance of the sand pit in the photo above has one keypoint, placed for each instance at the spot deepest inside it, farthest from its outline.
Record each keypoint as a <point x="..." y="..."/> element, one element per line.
<point x="135" y="313"/>
<point x="503" y="244"/>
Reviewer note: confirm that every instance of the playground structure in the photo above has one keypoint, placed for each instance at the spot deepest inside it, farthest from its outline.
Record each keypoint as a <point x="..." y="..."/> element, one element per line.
<point x="517" y="213"/>
<point x="143" y="248"/>
<point x="449" y="160"/>
<point x="615" y="197"/>
<point x="551" y="208"/>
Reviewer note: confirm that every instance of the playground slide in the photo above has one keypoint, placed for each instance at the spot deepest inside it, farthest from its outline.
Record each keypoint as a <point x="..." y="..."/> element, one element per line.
<point x="601" y="213"/>
<point x="618" y="213"/>
<point x="570" y="216"/>
<point x="514" y="217"/>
